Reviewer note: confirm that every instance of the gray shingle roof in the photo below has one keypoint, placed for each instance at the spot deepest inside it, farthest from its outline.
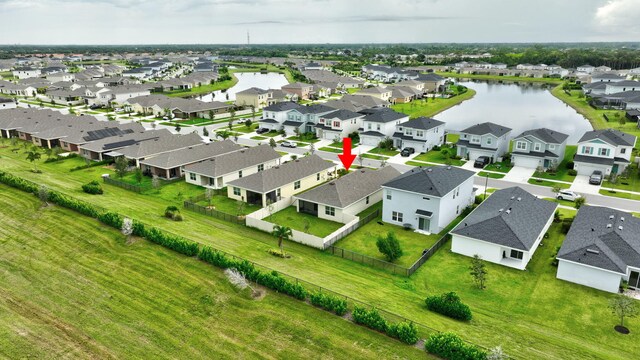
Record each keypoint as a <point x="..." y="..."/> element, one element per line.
<point x="591" y="241"/>
<point x="593" y="160"/>
<point x="278" y="176"/>
<point x="155" y="147"/>
<point x="487" y="128"/>
<point x="611" y="136"/>
<point x="510" y="217"/>
<point x="382" y="115"/>
<point x="191" y="154"/>
<point x="282" y="106"/>
<point x="547" y="135"/>
<point x="422" y="123"/>
<point x="342" y="115"/>
<point x="234" y="161"/>
<point x="116" y="142"/>
<point x="434" y="180"/>
<point x="350" y="188"/>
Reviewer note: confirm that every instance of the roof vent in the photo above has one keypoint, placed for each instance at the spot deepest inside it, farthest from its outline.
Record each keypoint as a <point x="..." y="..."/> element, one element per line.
<point x="508" y="211"/>
<point x="501" y="210"/>
<point x="593" y="251"/>
<point x="611" y="217"/>
<point x="429" y="169"/>
<point x="513" y="197"/>
<point x="609" y="226"/>
<point x="620" y="228"/>
<point x="519" y="199"/>
<point x="622" y="218"/>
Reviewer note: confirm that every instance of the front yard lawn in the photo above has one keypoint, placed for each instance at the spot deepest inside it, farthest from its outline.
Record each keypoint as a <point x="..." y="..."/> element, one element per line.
<point x="244" y="129"/>
<point x="271" y="133"/>
<point x="490" y="175"/>
<point x="291" y="218"/>
<point x="379" y="151"/>
<point x="453" y="138"/>
<point x="618" y="194"/>
<point x="562" y="172"/>
<point x="331" y="149"/>
<point x="375" y="157"/>
<point x="338" y="144"/>
<point x="437" y="156"/>
<point x="258" y="137"/>
<point x="304" y="138"/>
<point x="503" y="166"/>
<point x="548" y="183"/>
<point x="631" y="181"/>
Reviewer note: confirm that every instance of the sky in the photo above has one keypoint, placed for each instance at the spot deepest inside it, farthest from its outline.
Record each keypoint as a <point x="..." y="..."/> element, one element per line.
<point x="316" y="21"/>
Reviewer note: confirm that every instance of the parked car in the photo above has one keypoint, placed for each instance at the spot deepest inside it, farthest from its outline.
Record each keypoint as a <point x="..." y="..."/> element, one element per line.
<point x="481" y="162"/>
<point x="568" y="195"/>
<point x="596" y="178"/>
<point x="262" y="131"/>
<point x="289" y="144"/>
<point x="95" y="106"/>
<point x="407" y="151"/>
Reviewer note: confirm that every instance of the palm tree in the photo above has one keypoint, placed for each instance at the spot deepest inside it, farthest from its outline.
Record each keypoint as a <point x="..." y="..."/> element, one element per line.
<point x="34" y="155"/>
<point x="282" y="233"/>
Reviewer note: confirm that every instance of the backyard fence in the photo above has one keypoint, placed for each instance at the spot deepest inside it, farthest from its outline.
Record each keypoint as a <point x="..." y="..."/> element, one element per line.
<point x="191" y="204"/>
<point x="333" y="238"/>
<point x="126" y="185"/>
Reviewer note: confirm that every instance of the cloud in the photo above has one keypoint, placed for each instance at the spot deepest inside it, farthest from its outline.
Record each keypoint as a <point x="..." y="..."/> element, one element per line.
<point x="619" y="15"/>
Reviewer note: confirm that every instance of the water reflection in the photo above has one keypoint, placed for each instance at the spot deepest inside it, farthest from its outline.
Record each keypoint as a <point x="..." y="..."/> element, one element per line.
<point x="248" y="80"/>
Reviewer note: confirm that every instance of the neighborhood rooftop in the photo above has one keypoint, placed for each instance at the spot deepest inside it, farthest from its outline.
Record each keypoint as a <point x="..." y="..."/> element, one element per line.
<point x="611" y="136"/>
<point x="191" y="154"/>
<point x="233" y="161"/>
<point x="434" y="180"/>
<point x="546" y="135"/>
<point x="487" y="128"/>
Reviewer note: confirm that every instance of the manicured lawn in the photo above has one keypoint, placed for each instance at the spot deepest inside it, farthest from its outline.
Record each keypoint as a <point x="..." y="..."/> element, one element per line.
<point x="375" y="157"/>
<point x="562" y="202"/>
<point x="379" y="151"/>
<point x="304" y="138"/>
<point x="562" y="170"/>
<point x="491" y="175"/>
<point x="338" y="144"/>
<point x="233" y="207"/>
<point x="502" y="167"/>
<point x="620" y="194"/>
<point x="436" y="156"/>
<point x="453" y="138"/>
<point x="258" y="138"/>
<point x="353" y="90"/>
<point x="271" y="134"/>
<point x="331" y="149"/>
<point x="530" y="313"/>
<point x="548" y="183"/>
<point x="74" y="288"/>
<point x="291" y="218"/>
<point x="501" y="78"/>
<point x="244" y="129"/>
<point x="630" y="183"/>
<point x="432" y="106"/>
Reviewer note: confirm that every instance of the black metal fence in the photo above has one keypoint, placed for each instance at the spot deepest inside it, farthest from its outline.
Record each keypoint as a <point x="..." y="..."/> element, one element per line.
<point x="192" y="204"/>
<point x="429" y="253"/>
<point x="364" y="220"/>
<point x="126" y="185"/>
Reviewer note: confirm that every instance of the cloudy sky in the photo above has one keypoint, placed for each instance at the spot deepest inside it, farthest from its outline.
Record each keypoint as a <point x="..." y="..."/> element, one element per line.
<point x="316" y="21"/>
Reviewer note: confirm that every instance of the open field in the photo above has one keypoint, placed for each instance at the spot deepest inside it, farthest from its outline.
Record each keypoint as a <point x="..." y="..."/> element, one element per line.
<point x="73" y="288"/>
<point x="432" y="106"/>
<point x="530" y="313"/>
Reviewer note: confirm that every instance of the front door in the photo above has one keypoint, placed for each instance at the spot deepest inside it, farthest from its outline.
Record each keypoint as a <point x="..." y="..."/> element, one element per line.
<point x="614" y="169"/>
<point x="634" y="280"/>
<point x="423" y="224"/>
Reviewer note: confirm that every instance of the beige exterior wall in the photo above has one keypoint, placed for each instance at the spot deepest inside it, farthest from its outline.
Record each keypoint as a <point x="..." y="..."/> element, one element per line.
<point x="258" y="101"/>
<point x="221" y="181"/>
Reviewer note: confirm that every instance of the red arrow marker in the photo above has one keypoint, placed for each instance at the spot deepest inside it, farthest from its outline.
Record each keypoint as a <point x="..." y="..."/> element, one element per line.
<point x="346" y="157"/>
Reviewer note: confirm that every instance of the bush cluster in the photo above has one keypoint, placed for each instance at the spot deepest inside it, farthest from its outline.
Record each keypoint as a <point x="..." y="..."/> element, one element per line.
<point x="18" y="183"/>
<point x="93" y="188"/>
<point x="449" y="304"/>
<point x="572" y="172"/>
<point x="73" y="204"/>
<point x="403" y="331"/>
<point x="174" y="243"/>
<point x="172" y="212"/>
<point x="92" y="164"/>
<point x="329" y="302"/>
<point x="60" y="158"/>
<point x="450" y="346"/>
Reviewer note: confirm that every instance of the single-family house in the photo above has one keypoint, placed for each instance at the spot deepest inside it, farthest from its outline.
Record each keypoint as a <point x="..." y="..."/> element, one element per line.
<point x="379" y="92"/>
<point x="505" y="229"/>
<point x="427" y="198"/>
<point x="421" y="133"/>
<point x="432" y="82"/>
<point x="486" y="139"/>
<point x="344" y="198"/>
<point x="606" y="77"/>
<point x="622" y="86"/>
<point x="289" y="116"/>
<point x="154" y="147"/>
<point x="338" y="124"/>
<point x="379" y="124"/>
<point x="601" y="249"/>
<point x="256" y="97"/>
<point x="26" y="72"/>
<point x="61" y="76"/>
<point x="607" y="150"/>
<point x="97" y="149"/>
<point x="279" y="182"/>
<point x="217" y="171"/>
<point x="7" y="103"/>
<point x="301" y="89"/>
<point x="170" y="165"/>
<point x="586" y="69"/>
<point x="539" y="148"/>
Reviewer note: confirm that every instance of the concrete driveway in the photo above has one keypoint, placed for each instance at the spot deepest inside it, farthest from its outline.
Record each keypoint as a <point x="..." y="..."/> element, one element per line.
<point x="581" y="185"/>
<point x="519" y="174"/>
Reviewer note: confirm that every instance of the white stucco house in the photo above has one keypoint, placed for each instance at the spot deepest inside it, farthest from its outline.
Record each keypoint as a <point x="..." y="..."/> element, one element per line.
<point x="421" y="133"/>
<point x="338" y="124"/>
<point x="505" y="229"/>
<point x="428" y="199"/>
<point x="486" y="139"/>
<point x="539" y="148"/>
<point x="601" y="249"/>
<point x="378" y="124"/>
<point x="607" y="150"/>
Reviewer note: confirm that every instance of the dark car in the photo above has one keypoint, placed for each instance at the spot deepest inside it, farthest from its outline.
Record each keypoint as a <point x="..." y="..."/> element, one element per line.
<point x="481" y="162"/>
<point x="596" y="178"/>
<point x="407" y="151"/>
<point x="262" y="131"/>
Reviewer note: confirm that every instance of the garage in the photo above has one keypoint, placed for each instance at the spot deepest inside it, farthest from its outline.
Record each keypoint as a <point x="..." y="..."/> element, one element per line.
<point x="369" y="140"/>
<point x="526" y="161"/>
<point x="588" y="169"/>
<point x="474" y="154"/>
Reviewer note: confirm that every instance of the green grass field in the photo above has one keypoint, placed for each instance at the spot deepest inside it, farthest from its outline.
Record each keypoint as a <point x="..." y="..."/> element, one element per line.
<point x="432" y="106"/>
<point x="291" y="218"/>
<point x="73" y="288"/>
<point x="619" y="194"/>
<point x="490" y="175"/>
<point x="530" y="313"/>
<point x="436" y="156"/>
<point x="548" y="183"/>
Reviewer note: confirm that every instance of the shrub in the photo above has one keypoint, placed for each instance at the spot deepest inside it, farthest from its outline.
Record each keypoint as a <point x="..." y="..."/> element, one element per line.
<point x="172" y="212"/>
<point x="18" y="183"/>
<point x="449" y="304"/>
<point x="93" y="188"/>
<point x="570" y="165"/>
<point x="478" y="200"/>
<point x="466" y="211"/>
<point x="572" y="172"/>
<point x="369" y="318"/>
<point x="404" y="331"/>
<point x="92" y="164"/>
<point x="389" y="246"/>
<point x="329" y="302"/>
<point x="450" y="346"/>
<point x="172" y="242"/>
<point x="112" y="219"/>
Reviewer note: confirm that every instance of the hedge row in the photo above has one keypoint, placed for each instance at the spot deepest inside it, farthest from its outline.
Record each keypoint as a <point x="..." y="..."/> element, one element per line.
<point x="93" y="188"/>
<point x="403" y="331"/>
<point x="329" y="302"/>
<point x="451" y="347"/>
<point x="60" y="158"/>
<point x="449" y="304"/>
<point x="92" y="164"/>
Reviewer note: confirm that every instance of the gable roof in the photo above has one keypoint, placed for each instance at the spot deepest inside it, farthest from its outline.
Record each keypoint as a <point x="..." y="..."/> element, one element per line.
<point x="487" y="128"/>
<point x="510" y="217"/>
<point x="158" y="146"/>
<point x="233" y="161"/>
<point x="342" y="115"/>
<point x="611" y="136"/>
<point x="191" y="154"/>
<point x="120" y="141"/>
<point x="271" y="179"/>
<point x="547" y="135"/>
<point x="434" y="180"/>
<point x="382" y="115"/>
<point x="422" y="123"/>
<point x="604" y="238"/>
<point x="253" y="91"/>
<point x="350" y="188"/>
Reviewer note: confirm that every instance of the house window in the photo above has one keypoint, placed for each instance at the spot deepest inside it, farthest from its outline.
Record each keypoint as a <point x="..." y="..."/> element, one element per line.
<point x="236" y="191"/>
<point x="388" y="194"/>
<point x="278" y="192"/>
<point x="336" y="124"/>
<point x="192" y="176"/>
<point x="378" y="127"/>
<point x="409" y="132"/>
<point x="515" y="254"/>
<point x="521" y="145"/>
<point x="623" y="151"/>
<point x="240" y="173"/>
<point x="260" y="167"/>
<point x="396" y="216"/>
<point x="537" y="147"/>
<point x="457" y="209"/>
<point x="475" y="139"/>
<point x="368" y="126"/>
<point x="489" y="141"/>
<point x="419" y="133"/>
<point x="588" y="150"/>
<point x="330" y="210"/>
<point x="296" y="185"/>
<point x="366" y="200"/>
<point x="604" y="152"/>
<point x="552" y="147"/>
<point x="318" y="177"/>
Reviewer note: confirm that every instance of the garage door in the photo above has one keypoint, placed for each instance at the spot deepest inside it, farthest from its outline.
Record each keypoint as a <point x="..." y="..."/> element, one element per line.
<point x="474" y="154"/>
<point x="588" y="169"/>
<point x="369" y="140"/>
<point x="527" y="162"/>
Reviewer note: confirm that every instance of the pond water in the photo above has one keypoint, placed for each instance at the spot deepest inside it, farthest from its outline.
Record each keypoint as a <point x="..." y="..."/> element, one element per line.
<point x="247" y="80"/>
<point x="520" y="106"/>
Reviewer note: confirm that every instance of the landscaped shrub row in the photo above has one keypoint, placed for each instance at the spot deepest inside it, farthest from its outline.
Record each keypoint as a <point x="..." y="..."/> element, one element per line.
<point x="449" y="304"/>
<point x="329" y="302"/>
<point x="403" y="331"/>
<point x="93" y="188"/>
<point x="18" y="183"/>
<point x="92" y="164"/>
<point x="60" y="158"/>
<point x="451" y="347"/>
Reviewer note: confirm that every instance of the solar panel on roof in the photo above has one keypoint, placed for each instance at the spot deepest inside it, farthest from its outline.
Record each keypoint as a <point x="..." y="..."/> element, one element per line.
<point x="104" y="133"/>
<point x="118" y="144"/>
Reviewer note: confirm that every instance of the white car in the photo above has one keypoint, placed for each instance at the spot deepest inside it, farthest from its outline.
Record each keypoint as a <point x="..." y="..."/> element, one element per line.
<point x="568" y="195"/>
<point x="289" y="144"/>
